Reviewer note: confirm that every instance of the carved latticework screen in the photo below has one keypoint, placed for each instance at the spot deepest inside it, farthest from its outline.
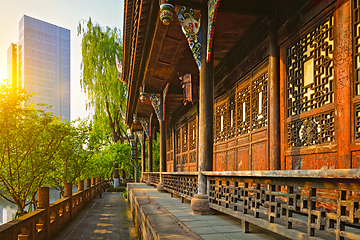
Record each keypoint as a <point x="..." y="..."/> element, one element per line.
<point x="245" y="111"/>
<point x="356" y="42"/>
<point x="238" y="114"/>
<point x="169" y="151"/>
<point x="310" y="70"/>
<point x="186" y="152"/>
<point x="310" y="87"/>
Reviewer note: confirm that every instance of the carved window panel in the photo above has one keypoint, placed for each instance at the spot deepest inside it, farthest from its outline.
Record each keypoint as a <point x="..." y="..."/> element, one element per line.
<point x="192" y="157"/>
<point x="310" y="70"/>
<point x="259" y="101"/>
<point x="221" y="121"/>
<point x="356" y="21"/>
<point x="311" y="131"/>
<point x="184" y="159"/>
<point x="231" y="131"/>
<point x="357" y="121"/>
<point x="193" y="134"/>
<point x="178" y="141"/>
<point x="184" y="136"/>
<point x="243" y="110"/>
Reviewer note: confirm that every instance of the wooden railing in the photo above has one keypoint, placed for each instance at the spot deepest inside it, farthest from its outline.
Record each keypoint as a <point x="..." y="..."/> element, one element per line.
<point x="46" y="223"/>
<point x="303" y="204"/>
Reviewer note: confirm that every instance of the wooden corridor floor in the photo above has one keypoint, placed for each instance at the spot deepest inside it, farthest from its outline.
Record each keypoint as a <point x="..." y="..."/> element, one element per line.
<point x="105" y="218"/>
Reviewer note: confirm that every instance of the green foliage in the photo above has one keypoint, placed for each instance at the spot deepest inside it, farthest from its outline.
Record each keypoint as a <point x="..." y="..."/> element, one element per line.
<point x="73" y="157"/>
<point x="119" y="189"/>
<point x="106" y="94"/>
<point x="124" y="194"/>
<point x="29" y="140"/>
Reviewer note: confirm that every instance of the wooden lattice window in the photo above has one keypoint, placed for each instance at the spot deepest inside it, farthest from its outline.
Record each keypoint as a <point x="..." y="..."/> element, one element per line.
<point x="317" y="129"/>
<point x="356" y="21"/>
<point x="184" y="137"/>
<point x="231" y="129"/>
<point x="178" y="141"/>
<point x="357" y="120"/>
<point x="221" y="121"/>
<point x="243" y="110"/>
<point x="259" y="102"/>
<point x="310" y="70"/>
<point x="192" y="134"/>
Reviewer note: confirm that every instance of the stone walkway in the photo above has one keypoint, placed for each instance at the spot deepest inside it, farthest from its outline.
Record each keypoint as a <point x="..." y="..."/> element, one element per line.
<point x="208" y="227"/>
<point x="105" y="218"/>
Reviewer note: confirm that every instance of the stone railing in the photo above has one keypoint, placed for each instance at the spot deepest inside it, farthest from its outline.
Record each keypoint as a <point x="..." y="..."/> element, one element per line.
<point x="49" y="219"/>
<point x="154" y="177"/>
<point x="303" y="204"/>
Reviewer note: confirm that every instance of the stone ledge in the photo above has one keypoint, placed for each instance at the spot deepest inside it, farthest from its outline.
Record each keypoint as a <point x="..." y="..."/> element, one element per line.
<point x="152" y="220"/>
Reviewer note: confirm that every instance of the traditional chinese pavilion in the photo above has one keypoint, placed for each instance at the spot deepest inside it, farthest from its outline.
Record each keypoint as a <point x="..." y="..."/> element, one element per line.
<point x="257" y="104"/>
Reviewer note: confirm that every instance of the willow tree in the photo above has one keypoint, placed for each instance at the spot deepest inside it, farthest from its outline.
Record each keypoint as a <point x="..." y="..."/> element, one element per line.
<point x="106" y="94"/>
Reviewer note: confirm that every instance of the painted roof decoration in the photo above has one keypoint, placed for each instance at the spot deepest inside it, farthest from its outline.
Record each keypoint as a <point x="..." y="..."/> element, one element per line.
<point x="213" y="6"/>
<point x="191" y="29"/>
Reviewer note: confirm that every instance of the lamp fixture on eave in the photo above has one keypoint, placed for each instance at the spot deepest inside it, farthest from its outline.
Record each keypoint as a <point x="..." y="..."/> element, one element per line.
<point x="166" y="12"/>
<point x="142" y="94"/>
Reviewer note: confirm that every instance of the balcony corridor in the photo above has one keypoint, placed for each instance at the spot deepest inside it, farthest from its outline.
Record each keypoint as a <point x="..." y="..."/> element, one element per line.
<point x="105" y="218"/>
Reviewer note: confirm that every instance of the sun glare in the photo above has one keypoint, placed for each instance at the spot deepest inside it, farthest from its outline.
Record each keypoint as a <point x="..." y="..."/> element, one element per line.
<point x="3" y="78"/>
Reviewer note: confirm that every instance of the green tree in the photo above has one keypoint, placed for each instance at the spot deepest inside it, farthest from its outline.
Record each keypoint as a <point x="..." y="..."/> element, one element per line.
<point x="106" y="94"/>
<point x="72" y="158"/>
<point x="29" y="139"/>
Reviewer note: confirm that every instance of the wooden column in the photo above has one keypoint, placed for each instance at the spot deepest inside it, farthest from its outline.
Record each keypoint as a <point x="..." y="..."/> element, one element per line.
<point x="143" y="149"/>
<point x="206" y="106"/>
<point x="162" y="137"/>
<point x="343" y="75"/>
<point x="274" y="98"/>
<point x="173" y="146"/>
<point x="200" y="203"/>
<point x="150" y="152"/>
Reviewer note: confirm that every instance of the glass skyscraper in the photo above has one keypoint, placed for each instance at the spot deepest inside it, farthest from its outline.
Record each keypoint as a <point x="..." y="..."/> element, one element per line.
<point x="42" y="64"/>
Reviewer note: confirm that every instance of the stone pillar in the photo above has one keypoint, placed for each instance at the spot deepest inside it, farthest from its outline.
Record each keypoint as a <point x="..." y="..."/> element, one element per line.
<point x="200" y="203"/>
<point x="160" y="186"/>
<point x="81" y="185"/>
<point x="116" y="175"/>
<point x="68" y="189"/>
<point x="123" y="176"/>
<point x="97" y="180"/>
<point x="88" y="182"/>
<point x="93" y="181"/>
<point x="343" y="72"/>
<point x="143" y="156"/>
<point x="43" y="197"/>
<point x="274" y="98"/>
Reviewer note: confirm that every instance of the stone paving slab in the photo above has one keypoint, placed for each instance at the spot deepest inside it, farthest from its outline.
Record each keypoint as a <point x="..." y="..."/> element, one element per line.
<point x="207" y="227"/>
<point x="106" y="218"/>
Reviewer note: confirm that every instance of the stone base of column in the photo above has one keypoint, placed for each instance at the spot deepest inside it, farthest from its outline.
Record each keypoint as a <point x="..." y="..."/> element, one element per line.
<point x="160" y="187"/>
<point x="116" y="183"/>
<point x="200" y="205"/>
<point x="148" y="182"/>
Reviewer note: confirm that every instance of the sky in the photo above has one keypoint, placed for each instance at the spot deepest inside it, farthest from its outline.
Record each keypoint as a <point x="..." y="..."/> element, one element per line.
<point x="62" y="13"/>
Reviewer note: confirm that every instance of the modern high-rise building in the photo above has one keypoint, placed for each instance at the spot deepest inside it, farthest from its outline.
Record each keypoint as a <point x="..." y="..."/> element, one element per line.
<point x="40" y="63"/>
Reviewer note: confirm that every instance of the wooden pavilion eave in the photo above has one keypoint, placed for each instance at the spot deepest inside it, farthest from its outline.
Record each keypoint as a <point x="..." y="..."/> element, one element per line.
<point x="155" y="54"/>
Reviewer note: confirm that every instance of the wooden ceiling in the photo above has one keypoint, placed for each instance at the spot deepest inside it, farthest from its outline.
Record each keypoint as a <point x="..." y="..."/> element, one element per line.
<point x="169" y="55"/>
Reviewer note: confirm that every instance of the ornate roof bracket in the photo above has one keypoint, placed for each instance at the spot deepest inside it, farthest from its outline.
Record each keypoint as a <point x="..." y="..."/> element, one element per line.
<point x="191" y="29"/>
<point x="145" y="124"/>
<point x="213" y="6"/>
<point x="156" y="103"/>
